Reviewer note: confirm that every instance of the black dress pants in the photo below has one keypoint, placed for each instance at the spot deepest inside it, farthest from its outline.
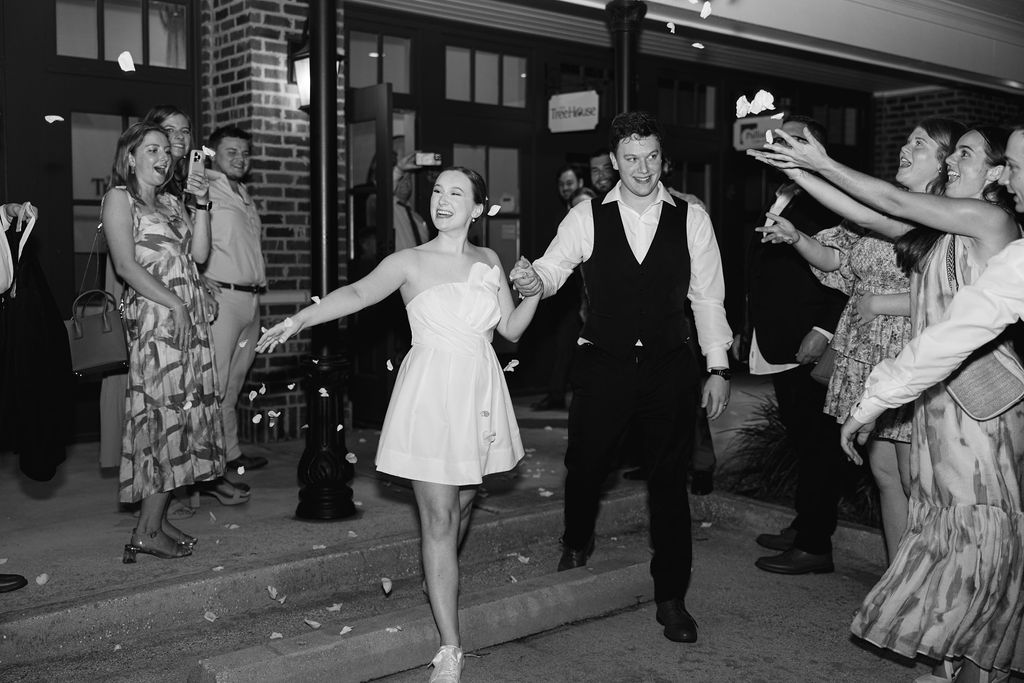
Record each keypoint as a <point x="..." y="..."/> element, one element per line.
<point x="815" y="437"/>
<point x="655" y="397"/>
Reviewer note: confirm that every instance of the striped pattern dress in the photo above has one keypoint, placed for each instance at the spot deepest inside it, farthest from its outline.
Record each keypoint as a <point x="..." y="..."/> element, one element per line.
<point x="954" y="588"/>
<point x="173" y="434"/>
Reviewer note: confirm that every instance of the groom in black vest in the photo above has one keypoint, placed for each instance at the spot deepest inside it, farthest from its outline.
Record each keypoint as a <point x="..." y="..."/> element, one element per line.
<point x="643" y="254"/>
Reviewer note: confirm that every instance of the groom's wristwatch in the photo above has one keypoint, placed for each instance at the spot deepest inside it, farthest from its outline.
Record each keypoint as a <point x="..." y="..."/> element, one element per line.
<point x="724" y="373"/>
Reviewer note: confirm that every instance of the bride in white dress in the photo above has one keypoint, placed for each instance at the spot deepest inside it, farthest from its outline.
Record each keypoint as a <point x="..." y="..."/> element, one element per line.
<point x="450" y="420"/>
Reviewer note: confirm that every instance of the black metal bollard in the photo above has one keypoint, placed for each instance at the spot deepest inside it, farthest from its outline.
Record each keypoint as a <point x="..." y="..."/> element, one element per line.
<point x="324" y="473"/>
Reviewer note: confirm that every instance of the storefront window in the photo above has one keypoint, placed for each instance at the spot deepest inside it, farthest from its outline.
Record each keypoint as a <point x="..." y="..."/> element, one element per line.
<point x="374" y="58"/>
<point x="72" y="40"/>
<point x="457" y="67"/>
<point x="93" y="141"/>
<point x="685" y="103"/>
<point x="168" y="29"/>
<point x="513" y="81"/>
<point x="121" y="27"/>
<point x="395" y="66"/>
<point x="485" y="77"/>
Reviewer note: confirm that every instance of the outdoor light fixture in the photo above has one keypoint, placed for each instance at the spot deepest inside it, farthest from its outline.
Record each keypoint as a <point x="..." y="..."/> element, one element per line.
<point x="298" y="66"/>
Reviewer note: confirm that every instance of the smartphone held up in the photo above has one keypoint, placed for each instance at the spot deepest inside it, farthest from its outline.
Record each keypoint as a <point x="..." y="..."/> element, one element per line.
<point x="195" y="162"/>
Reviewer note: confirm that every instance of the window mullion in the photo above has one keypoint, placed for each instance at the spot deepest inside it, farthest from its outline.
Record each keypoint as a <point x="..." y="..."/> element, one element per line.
<point x="145" y="32"/>
<point x="101" y="46"/>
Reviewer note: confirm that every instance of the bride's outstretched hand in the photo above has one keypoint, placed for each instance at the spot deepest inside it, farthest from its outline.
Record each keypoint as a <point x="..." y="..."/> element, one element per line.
<point x="277" y="334"/>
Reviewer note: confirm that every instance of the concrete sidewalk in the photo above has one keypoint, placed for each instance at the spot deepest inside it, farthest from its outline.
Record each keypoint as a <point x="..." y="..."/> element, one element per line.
<point x="71" y="531"/>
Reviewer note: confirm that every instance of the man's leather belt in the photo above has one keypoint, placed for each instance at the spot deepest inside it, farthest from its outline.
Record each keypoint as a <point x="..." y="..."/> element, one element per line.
<point x="251" y="289"/>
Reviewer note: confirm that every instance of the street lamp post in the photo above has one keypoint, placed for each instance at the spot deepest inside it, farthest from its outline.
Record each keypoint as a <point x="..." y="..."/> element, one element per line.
<point x="324" y="472"/>
<point x="625" y="21"/>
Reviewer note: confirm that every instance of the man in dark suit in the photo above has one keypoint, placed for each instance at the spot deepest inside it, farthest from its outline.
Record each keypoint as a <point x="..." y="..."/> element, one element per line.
<point x="792" y="317"/>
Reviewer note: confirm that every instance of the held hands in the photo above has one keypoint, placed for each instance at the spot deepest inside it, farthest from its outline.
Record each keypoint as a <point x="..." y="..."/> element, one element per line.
<point x="715" y="396"/>
<point x="278" y="334"/>
<point x="852" y="434"/>
<point x="525" y="278"/>
<point x="811" y="348"/>
<point x="778" y="230"/>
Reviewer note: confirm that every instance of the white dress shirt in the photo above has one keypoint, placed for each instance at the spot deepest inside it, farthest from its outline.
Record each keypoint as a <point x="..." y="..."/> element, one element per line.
<point x="977" y="315"/>
<point x="236" y="233"/>
<point x="574" y="244"/>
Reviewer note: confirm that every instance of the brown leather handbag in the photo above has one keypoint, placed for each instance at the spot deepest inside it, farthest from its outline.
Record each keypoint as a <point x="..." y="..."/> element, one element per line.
<point x="97" y="340"/>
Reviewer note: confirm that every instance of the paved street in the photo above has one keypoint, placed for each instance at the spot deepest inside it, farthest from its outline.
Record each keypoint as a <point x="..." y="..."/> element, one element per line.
<point x="754" y="626"/>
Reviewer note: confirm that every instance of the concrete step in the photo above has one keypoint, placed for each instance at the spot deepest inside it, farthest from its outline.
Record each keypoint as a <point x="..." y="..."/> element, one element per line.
<point x="386" y="644"/>
<point x="119" y="615"/>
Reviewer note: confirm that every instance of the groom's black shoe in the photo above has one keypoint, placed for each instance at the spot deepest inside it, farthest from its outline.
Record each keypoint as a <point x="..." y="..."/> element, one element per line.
<point x="795" y="561"/>
<point x="679" y="625"/>
<point x="781" y="541"/>
<point x="571" y="559"/>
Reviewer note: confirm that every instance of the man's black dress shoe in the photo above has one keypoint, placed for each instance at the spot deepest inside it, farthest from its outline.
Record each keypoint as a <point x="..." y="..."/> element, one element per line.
<point x="795" y="561"/>
<point x="12" y="582"/>
<point x="249" y="462"/>
<point x="702" y="482"/>
<point x="550" y="402"/>
<point x="575" y="558"/>
<point x="679" y="625"/>
<point x="636" y="474"/>
<point x="783" y="540"/>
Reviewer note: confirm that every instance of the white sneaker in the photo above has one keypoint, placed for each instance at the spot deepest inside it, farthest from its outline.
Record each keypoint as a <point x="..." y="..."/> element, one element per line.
<point x="447" y="665"/>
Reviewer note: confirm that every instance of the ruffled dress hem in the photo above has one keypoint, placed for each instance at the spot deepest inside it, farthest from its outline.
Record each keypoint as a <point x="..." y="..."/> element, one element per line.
<point x="953" y="589"/>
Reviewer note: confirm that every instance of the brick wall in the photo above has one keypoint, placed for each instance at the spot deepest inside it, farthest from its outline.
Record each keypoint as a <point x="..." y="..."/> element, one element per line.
<point x="896" y="115"/>
<point x="244" y="50"/>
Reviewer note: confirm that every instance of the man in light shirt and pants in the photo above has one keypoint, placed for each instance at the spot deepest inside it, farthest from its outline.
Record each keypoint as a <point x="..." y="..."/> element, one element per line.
<point x="235" y="272"/>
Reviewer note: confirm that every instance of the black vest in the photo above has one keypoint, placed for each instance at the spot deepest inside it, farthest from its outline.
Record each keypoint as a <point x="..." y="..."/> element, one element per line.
<point x="630" y="300"/>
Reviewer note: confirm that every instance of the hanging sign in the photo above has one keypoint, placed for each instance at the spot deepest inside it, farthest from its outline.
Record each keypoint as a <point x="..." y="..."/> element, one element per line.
<point x="573" y="111"/>
<point x="748" y="133"/>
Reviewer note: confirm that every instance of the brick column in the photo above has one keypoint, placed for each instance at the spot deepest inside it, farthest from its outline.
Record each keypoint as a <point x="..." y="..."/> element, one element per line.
<point x="243" y="80"/>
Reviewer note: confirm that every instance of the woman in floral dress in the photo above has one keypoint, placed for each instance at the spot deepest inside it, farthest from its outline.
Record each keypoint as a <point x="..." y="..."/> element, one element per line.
<point x="860" y="261"/>
<point x="174" y="435"/>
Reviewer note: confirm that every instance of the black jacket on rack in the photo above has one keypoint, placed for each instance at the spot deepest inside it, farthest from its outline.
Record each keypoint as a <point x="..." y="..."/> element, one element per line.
<point x="36" y="381"/>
